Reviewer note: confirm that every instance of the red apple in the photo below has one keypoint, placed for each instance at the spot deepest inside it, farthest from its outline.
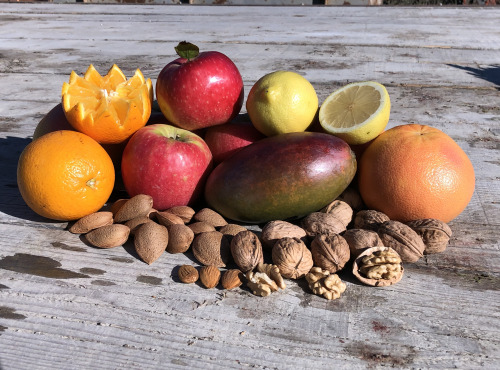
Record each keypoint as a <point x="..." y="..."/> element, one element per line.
<point x="199" y="90"/>
<point x="225" y="140"/>
<point x="168" y="163"/>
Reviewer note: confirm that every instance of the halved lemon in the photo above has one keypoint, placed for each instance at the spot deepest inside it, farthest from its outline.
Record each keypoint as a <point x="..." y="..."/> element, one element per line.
<point x="357" y="112"/>
<point x="107" y="108"/>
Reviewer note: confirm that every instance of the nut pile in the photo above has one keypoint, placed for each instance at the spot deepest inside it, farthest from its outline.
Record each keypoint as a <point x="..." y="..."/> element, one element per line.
<point x="315" y="248"/>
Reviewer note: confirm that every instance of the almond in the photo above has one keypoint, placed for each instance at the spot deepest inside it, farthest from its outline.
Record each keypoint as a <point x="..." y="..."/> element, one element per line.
<point x="232" y="229"/>
<point x="212" y="248"/>
<point x="209" y="276"/>
<point x="134" y="223"/>
<point x="180" y="238"/>
<point x="232" y="279"/>
<point x="166" y="218"/>
<point x="201" y="227"/>
<point x="139" y="205"/>
<point x="91" y="222"/>
<point x="186" y="213"/>
<point x="108" y="236"/>
<point x="150" y="241"/>
<point x="210" y="217"/>
<point x="188" y="274"/>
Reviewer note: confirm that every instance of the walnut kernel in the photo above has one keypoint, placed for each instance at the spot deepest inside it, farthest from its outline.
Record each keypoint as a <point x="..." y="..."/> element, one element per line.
<point x="378" y="266"/>
<point x="322" y="283"/>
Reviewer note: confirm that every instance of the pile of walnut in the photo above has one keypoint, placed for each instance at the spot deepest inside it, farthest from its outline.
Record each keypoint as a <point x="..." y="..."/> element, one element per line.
<point x="315" y="248"/>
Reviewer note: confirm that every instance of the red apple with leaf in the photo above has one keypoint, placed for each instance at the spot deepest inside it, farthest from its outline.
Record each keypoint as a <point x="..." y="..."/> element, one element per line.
<point x="168" y="163"/>
<point x="199" y="90"/>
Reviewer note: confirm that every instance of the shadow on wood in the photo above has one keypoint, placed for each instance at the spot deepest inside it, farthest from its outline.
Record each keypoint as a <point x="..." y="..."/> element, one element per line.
<point x="490" y="73"/>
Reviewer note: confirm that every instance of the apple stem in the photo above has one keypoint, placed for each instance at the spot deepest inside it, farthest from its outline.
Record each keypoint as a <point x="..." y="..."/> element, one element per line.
<point x="187" y="50"/>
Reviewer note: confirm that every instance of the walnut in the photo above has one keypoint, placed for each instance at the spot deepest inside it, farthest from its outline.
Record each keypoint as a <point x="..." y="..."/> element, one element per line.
<point x="400" y="237"/>
<point x="435" y="233"/>
<point x="265" y="280"/>
<point x="292" y="257"/>
<point x="275" y="230"/>
<point x="330" y="252"/>
<point x="320" y="223"/>
<point x="378" y="266"/>
<point x="211" y="248"/>
<point x="322" y="283"/>
<point x="361" y="239"/>
<point x="341" y="210"/>
<point x="369" y="219"/>
<point x="352" y="197"/>
<point x="246" y="250"/>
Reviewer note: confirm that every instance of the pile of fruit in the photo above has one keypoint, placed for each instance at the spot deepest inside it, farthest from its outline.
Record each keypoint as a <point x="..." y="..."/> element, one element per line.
<point x="313" y="176"/>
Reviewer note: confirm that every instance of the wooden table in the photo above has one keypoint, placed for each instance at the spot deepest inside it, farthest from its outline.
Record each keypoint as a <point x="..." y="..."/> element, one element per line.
<point x="66" y="305"/>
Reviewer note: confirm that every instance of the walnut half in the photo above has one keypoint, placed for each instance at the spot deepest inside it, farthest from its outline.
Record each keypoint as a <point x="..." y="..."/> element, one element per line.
<point x="378" y="266"/>
<point x="322" y="283"/>
<point x="265" y="280"/>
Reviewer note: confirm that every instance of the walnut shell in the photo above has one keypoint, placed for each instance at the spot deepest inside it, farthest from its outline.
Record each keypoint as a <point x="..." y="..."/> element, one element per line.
<point x="341" y="210"/>
<point x="403" y="239"/>
<point x="369" y="219"/>
<point x="275" y="230"/>
<point x="211" y="248"/>
<point x="352" y="197"/>
<point x="246" y="250"/>
<point x="292" y="257"/>
<point x="361" y="239"/>
<point x="322" y="223"/>
<point x="383" y="265"/>
<point x="435" y="233"/>
<point x="330" y="252"/>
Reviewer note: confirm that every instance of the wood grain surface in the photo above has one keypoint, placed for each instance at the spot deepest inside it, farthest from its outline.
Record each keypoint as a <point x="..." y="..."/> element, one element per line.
<point x="65" y="305"/>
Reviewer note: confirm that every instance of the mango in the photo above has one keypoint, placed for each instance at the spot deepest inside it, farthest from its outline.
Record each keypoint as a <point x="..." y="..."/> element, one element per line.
<point x="281" y="177"/>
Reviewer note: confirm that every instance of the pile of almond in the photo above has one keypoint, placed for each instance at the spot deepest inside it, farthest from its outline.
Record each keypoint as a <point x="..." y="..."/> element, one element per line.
<point x="315" y="247"/>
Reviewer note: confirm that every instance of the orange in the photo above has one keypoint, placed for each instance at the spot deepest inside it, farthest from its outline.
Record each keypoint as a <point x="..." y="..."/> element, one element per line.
<point x="65" y="175"/>
<point x="107" y="108"/>
<point x="415" y="171"/>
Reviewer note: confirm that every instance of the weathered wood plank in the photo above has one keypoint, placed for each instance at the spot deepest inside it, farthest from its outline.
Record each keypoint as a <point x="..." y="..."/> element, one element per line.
<point x="63" y="302"/>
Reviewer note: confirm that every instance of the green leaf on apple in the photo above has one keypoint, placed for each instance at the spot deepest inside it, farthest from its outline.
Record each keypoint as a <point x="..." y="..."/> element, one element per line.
<point x="187" y="50"/>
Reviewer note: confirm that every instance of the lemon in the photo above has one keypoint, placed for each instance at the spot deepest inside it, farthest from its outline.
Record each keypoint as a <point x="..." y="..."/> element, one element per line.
<point x="282" y="102"/>
<point x="357" y="112"/>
